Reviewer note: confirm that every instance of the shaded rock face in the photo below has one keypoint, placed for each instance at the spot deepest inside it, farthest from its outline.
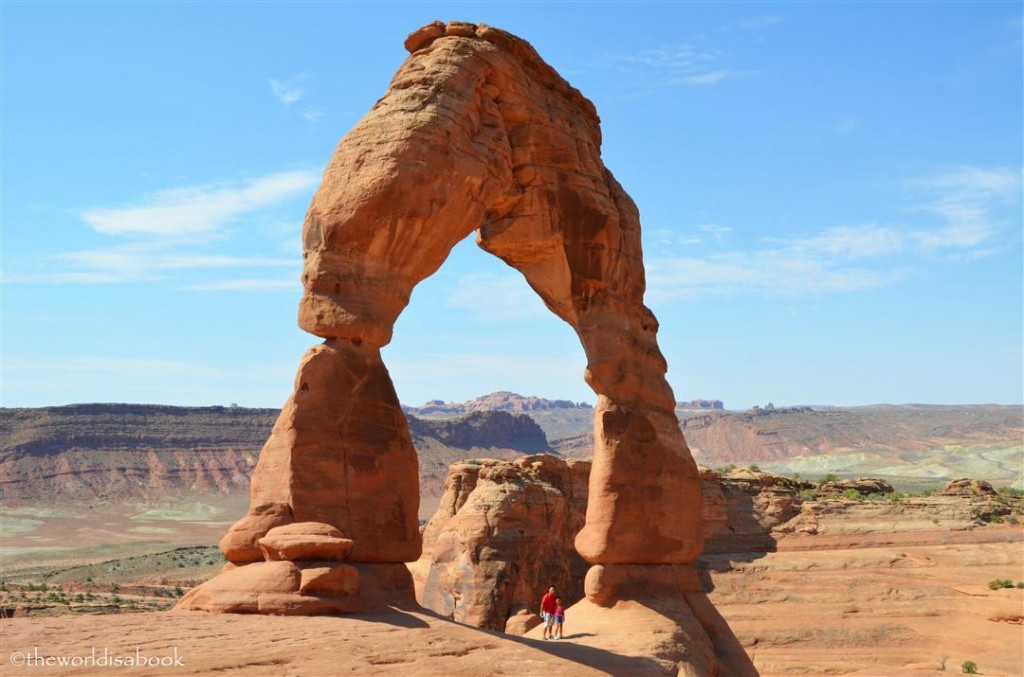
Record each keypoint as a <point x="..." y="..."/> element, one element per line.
<point x="742" y="508"/>
<point x="502" y="535"/>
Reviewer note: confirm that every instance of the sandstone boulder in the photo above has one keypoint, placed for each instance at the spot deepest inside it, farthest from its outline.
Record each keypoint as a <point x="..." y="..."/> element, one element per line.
<point x="339" y="579"/>
<point x="521" y="623"/>
<point x="241" y="544"/>
<point x="967" y="487"/>
<point x="302" y="589"/>
<point x="240" y="590"/>
<point x="864" y="486"/>
<point x="305" y="541"/>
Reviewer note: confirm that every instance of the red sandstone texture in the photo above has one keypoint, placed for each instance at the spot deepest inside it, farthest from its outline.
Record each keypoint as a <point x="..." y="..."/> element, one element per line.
<point x="501" y="536"/>
<point x="478" y="134"/>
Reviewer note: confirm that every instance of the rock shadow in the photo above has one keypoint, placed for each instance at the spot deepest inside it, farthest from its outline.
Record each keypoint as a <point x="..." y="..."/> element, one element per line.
<point x="738" y="537"/>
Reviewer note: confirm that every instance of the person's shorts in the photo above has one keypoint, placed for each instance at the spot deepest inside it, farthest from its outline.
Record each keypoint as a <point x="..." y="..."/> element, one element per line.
<point x="549" y="619"/>
<point x="559" y="619"/>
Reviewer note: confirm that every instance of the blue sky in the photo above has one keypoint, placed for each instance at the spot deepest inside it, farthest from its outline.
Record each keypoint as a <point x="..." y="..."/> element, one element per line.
<point x="830" y="195"/>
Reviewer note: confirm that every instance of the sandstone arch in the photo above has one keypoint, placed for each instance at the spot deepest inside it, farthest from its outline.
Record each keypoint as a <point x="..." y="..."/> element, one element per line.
<point x="476" y="133"/>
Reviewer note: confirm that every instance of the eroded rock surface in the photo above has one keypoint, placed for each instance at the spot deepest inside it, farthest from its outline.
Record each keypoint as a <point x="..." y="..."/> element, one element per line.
<point x="501" y="536"/>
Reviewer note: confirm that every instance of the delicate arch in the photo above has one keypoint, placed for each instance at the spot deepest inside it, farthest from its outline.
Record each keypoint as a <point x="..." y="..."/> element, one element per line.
<point x="477" y="133"/>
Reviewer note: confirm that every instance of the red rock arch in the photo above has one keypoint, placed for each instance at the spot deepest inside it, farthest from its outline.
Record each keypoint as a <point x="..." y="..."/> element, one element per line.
<point x="477" y="133"/>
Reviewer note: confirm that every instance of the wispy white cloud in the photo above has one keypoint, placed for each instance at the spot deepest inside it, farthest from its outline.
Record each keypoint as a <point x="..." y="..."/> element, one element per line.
<point x="198" y="210"/>
<point x="715" y="230"/>
<point x="289" y="91"/>
<point x="968" y="204"/>
<point x="183" y="229"/>
<point x="675" y="65"/>
<point x="782" y="272"/>
<point x="496" y="297"/>
<point x="852" y="242"/>
<point x="313" y="114"/>
<point x="150" y="261"/>
<point x="703" y="79"/>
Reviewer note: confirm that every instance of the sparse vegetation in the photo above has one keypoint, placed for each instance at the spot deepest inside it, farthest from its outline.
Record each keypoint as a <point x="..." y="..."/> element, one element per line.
<point x="969" y="667"/>
<point x="829" y="477"/>
<point x="999" y="583"/>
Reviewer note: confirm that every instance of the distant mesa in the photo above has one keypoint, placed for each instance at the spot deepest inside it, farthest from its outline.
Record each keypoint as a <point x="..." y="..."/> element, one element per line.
<point x="498" y="401"/>
<point x="701" y="404"/>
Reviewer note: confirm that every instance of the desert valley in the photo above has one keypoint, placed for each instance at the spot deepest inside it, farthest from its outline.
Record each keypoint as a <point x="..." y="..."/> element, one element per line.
<point x="117" y="509"/>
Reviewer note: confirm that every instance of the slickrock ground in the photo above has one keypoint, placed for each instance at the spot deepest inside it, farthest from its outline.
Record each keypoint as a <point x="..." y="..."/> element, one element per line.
<point x="881" y="590"/>
<point x="888" y="602"/>
<point x="879" y="602"/>
<point x="387" y="643"/>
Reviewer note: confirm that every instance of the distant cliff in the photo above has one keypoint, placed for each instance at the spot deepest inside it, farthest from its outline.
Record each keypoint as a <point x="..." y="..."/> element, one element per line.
<point x="911" y="440"/>
<point x="129" y="451"/>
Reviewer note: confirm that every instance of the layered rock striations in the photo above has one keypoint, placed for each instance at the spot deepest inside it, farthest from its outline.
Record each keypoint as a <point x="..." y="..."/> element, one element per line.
<point x="478" y="134"/>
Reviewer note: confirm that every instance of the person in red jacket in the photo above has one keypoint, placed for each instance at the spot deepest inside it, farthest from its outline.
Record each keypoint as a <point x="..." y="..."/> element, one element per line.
<point x="547" y="612"/>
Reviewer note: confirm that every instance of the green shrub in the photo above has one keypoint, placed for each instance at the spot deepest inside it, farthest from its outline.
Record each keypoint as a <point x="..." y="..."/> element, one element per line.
<point x="1010" y="491"/>
<point x="1020" y="584"/>
<point x="753" y="468"/>
<point x="852" y="494"/>
<point x="997" y="583"/>
<point x="830" y="477"/>
<point x="969" y="667"/>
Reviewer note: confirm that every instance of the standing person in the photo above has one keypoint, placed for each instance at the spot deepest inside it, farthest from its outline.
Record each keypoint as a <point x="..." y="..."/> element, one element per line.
<point x="547" y="612"/>
<point x="559" y="618"/>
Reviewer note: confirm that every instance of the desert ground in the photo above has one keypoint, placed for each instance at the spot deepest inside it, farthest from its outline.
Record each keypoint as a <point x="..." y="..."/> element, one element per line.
<point x="878" y="591"/>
